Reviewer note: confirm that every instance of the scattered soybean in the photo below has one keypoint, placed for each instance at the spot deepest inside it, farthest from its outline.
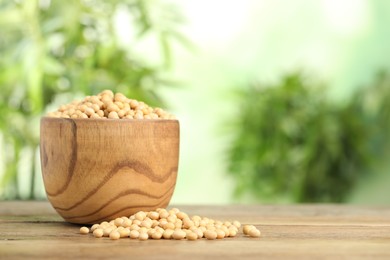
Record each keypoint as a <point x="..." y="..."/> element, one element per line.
<point x="167" y="224"/>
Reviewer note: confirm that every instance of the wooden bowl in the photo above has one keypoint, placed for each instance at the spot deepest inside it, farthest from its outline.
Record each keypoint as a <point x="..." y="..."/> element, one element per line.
<point x="95" y="169"/>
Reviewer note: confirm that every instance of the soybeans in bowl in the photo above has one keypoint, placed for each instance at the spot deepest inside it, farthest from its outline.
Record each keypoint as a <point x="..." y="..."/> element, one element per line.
<point x="108" y="156"/>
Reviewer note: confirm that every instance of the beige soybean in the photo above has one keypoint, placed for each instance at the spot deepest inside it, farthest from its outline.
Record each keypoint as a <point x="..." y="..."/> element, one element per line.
<point x="107" y="231"/>
<point x="247" y="228"/>
<point x="134" y="234"/>
<point x="167" y="224"/>
<point x="118" y="222"/>
<point x="181" y="215"/>
<point x="127" y="223"/>
<point x="98" y="233"/>
<point x="210" y="234"/>
<point x="192" y="236"/>
<point x="225" y="230"/>
<point x="140" y="215"/>
<point x="84" y="230"/>
<point x="220" y="233"/>
<point x="155" y="223"/>
<point x="143" y="230"/>
<point x="137" y="222"/>
<point x="95" y="226"/>
<point x="104" y="223"/>
<point x="143" y="236"/>
<point x="150" y="232"/>
<point x="146" y="223"/>
<point x="232" y="232"/>
<point x="178" y="234"/>
<point x="164" y="213"/>
<point x="157" y="235"/>
<point x="153" y="215"/>
<point x="163" y="222"/>
<point x="203" y="229"/>
<point x="134" y="227"/>
<point x="168" y="233"/>
<point x="109" y="105"/>
<point x="198" y="232"/>
<point x="125" y="232"/>
<point x="237" y="224"/>
<point x="115" y="235"/>
<point x="187" y="231"/>
<point x="254" y="232"/>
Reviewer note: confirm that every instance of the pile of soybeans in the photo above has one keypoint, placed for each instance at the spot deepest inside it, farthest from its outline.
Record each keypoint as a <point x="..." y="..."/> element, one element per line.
<point x="168" y="224"/>
<point x="107" y="105"/>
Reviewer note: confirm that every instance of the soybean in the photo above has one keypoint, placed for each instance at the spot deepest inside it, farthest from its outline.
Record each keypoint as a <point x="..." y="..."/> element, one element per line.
<point x="178" y="234"/>
<point x="143" y="236"/>
<point x="109" y="105"/>
<point x="168" y="233"/>
<point x="254" y="232"/>
<point x="134" y="234"/>
<point x="98" y="233"/>
<point x="115" y="235"/>
<point x="84" y="230"/>
<point x="192" y="236"/>
<point x="247" y="228"/>
<point x="167" y="224"/>
<point x="210" y="234"/>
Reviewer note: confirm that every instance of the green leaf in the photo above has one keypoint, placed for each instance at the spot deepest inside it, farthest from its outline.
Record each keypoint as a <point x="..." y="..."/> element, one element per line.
<point x="52" y="66"/>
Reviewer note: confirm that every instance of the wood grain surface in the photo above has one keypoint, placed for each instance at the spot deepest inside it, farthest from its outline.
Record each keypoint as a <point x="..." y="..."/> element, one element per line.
<point x="94" y="170"/>
<point x="33" y="230"/>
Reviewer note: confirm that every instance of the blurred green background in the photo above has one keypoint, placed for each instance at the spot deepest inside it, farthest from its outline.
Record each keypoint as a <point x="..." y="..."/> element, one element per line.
<point x="279" y="102"/>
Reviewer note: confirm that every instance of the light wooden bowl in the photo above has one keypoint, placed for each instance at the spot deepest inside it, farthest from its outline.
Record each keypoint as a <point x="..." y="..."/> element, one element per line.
<point x="95" y="169"/>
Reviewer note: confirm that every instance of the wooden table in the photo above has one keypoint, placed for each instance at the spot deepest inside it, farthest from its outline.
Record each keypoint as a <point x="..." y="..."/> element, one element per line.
<point x="34" y="230"/>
